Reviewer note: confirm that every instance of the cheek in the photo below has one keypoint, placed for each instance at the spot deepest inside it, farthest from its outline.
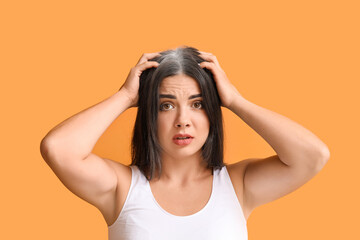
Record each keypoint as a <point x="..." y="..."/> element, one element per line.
<point x="163" y="125"/>
<point x="204" y="123"/>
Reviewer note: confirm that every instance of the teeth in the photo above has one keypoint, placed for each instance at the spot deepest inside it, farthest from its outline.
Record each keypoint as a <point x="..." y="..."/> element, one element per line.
<point x="182" y="137"/>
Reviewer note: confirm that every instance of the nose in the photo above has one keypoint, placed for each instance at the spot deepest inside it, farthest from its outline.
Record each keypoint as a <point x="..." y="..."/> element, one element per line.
<point x="179" y="125"/>
<point x="182" y="119"/>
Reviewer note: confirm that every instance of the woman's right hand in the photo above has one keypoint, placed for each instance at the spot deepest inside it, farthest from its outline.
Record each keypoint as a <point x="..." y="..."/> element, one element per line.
<point x="131" y="84"/>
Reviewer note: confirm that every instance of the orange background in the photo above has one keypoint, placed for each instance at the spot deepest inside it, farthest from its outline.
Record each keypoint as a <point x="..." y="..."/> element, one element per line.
<point x="297" y="58"/>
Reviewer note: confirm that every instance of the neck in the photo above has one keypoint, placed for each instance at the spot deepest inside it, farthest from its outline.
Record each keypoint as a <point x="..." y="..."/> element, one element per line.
<point x="181" y="171"/>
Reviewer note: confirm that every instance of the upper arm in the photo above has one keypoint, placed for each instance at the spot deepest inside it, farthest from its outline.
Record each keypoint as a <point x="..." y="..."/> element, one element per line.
<point x="268" y="179"/>
<point x="93" y="179"/>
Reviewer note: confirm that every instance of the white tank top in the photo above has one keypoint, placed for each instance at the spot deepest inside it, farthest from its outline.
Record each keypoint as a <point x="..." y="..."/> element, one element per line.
<point x="142" y="218"/>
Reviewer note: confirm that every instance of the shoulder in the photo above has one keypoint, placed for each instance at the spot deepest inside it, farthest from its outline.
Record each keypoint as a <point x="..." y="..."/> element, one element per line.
<point x="124" y="175"/>
<point x="237" y="172"/>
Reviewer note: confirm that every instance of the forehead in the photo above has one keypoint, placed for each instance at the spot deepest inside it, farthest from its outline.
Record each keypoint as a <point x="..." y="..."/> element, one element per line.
<point x="179" y="83"/>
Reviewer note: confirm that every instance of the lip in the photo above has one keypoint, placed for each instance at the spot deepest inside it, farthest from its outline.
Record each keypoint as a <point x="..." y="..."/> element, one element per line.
<point x="182" y="135"/>
<point x="182" y="142"/>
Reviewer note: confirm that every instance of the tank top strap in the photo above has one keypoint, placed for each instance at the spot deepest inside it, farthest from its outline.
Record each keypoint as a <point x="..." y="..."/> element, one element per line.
<point x="137" y="177"/>
<point x="226" y="193"/>
<point x="142" y="218"/>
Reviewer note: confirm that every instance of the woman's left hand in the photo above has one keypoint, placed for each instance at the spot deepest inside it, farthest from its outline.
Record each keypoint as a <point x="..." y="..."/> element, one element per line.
<point x="227" y="92"/>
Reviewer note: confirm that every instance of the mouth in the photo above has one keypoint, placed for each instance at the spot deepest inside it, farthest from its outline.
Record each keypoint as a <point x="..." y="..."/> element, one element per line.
<point x="182" y="139"/>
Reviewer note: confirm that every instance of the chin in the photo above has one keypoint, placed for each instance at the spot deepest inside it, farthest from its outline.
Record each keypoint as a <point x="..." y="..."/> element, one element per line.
<point x="184" y="153"/>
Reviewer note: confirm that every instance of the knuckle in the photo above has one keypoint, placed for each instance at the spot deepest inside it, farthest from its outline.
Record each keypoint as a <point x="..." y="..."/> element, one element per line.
<point x="135" y="68"/>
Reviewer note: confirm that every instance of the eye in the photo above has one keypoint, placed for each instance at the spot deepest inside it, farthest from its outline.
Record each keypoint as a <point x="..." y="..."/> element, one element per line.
<point x="166" y="106"/>
<point x="197" y="104"/>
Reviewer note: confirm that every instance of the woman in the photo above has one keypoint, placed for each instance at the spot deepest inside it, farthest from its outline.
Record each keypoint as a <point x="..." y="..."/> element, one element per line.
<point x="177" y="186"/>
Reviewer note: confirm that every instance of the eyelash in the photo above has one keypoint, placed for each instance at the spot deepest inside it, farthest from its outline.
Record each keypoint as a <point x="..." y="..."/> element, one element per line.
<point x="162" y="105"/>
<point x="201" y="104"/>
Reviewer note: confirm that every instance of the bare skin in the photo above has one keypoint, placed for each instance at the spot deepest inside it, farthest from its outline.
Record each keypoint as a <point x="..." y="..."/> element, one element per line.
<point x="104" y="183"/>
<point x="177" y="200"/>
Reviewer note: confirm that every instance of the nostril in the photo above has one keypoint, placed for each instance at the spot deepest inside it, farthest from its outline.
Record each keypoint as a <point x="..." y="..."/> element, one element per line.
<point x="186" y="125"/>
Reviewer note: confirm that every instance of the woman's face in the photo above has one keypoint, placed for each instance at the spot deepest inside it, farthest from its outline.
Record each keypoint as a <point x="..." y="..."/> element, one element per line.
<point x="180" y="111"/>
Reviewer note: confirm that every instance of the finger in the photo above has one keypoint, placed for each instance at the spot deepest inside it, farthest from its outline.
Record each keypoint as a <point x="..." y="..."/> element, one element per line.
<point x="210" y="58"/>
<point x="209" y="65"/>
<point x="146" y="56"/>
<point x="148" y="64"/>
<point x="204" y="52"/>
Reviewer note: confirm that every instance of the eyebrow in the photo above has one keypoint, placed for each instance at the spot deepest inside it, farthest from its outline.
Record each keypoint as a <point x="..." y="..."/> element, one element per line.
<point x="173" y="97"/>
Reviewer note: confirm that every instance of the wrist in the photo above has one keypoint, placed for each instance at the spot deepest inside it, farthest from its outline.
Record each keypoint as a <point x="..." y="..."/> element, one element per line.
<point x="237" y="104"/>
<point x="126" y="97"/>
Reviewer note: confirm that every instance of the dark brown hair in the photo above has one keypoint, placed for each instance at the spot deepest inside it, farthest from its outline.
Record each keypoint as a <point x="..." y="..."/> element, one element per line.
<point x="145" y="148"/>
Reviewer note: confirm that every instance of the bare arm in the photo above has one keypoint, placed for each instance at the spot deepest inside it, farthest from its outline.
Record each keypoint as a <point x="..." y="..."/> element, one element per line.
<point x="76" y="136"/>
<point x="67" y="147"/>
<point x="300" y="154"/>
<point x="294" y="144"/>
